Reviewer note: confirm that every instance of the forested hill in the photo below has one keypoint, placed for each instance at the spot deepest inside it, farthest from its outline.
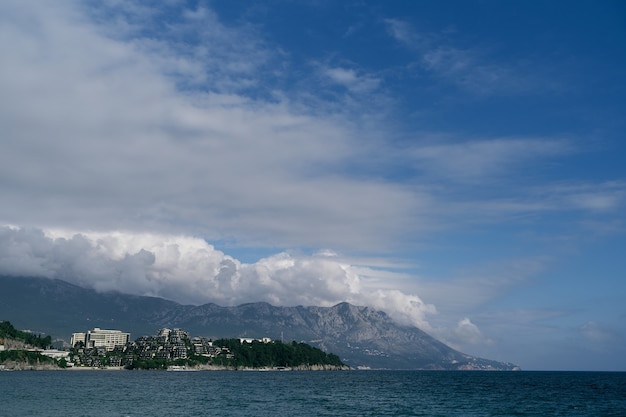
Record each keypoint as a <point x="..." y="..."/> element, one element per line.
<point x="10" y="333"/>
<point x="276" y="354"/>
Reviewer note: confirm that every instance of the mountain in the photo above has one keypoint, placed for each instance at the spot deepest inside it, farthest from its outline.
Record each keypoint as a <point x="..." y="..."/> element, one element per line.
<point x="360" y="336"/>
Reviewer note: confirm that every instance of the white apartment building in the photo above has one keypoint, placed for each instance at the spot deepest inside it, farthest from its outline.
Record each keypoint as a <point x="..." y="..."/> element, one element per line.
<point x="98" y="337"/>
<point x="77" y="337"/>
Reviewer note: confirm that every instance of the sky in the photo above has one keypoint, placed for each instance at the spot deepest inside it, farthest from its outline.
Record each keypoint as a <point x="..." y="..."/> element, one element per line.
<point x="456" y="164"/>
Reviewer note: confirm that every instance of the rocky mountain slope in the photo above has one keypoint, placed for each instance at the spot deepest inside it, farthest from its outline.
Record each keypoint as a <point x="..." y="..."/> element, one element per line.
<point x="361" y="336"/>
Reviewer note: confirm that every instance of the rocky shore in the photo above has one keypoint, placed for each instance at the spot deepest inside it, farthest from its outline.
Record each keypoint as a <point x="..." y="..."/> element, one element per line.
<point x="25" y="366"/>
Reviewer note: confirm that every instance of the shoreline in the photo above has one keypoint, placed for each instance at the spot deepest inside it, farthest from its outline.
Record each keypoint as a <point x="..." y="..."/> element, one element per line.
<point x="13" y="367"/>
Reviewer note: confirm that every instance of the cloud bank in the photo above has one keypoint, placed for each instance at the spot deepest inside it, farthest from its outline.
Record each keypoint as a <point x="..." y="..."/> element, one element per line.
<point x="103" y="131"/>
<point x="101" y="135"/>
<point x="189" y="270"/>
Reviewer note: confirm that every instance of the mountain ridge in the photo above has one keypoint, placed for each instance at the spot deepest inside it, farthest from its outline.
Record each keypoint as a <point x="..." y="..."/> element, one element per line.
<point x="363" y="337"/>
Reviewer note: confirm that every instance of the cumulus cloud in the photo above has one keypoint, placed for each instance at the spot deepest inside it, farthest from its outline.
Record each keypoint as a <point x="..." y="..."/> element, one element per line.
<point x="189" y="270"/>
<point x="469" y="333"/>
<point x="464" y="336"/>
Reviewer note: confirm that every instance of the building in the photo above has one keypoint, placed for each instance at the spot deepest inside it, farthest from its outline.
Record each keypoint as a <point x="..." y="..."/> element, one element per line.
<point x="101" y="338"/>
<point x="53" y="353"/>
<point x="77" y="338"/>
<point x="107" y="339"/>
<point x="250" y="340"/>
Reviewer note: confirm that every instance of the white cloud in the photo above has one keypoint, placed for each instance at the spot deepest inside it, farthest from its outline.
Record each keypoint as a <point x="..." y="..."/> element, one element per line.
<point x="603" y="197"/>
<point x="483" y="159"/>
<point x="190" y="45"/>
<point x="469" y="333"/>
<point x="403" y="32"/>
<point x="189" y="270"/>
<point x="465" y="336"/>
<point x="351" y="80"/>
<point x="97" y="137"/>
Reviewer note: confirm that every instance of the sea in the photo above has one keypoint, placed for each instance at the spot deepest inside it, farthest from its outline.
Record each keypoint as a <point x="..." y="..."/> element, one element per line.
<point x="311" y="393"/>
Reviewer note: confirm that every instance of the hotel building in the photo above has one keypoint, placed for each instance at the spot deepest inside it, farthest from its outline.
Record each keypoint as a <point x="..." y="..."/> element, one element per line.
<point x="97" y="337"/>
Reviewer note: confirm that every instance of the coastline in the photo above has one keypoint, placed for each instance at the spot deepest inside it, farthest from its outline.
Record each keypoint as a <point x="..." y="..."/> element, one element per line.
<point x="23" y="366"/>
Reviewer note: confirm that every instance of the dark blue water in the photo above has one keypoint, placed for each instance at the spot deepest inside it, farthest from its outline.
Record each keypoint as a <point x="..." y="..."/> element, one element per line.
<point x="358" y="393"/>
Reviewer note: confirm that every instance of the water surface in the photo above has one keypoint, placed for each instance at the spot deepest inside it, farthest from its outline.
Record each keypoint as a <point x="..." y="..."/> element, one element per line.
<point x="347" y="393"/>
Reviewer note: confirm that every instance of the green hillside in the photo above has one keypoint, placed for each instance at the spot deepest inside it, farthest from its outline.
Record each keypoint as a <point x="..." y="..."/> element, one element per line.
<point x="7" y="331"/>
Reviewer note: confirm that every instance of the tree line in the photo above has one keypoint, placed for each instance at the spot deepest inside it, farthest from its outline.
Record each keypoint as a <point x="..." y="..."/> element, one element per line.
<point x="25" y="356"/>
<point x="275" y="354"/>
<point x="250" y="355"/>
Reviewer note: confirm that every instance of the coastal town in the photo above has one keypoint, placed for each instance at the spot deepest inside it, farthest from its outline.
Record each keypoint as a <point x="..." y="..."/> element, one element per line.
<point x="169" y="349"/>
<point x="113" y="348"/>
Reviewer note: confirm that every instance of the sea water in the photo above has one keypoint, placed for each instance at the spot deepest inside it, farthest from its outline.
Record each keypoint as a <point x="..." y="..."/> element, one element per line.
<point x="324" y="393"/>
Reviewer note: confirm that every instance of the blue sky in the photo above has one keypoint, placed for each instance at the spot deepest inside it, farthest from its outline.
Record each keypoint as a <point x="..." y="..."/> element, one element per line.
<point x="457" y="164"/>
